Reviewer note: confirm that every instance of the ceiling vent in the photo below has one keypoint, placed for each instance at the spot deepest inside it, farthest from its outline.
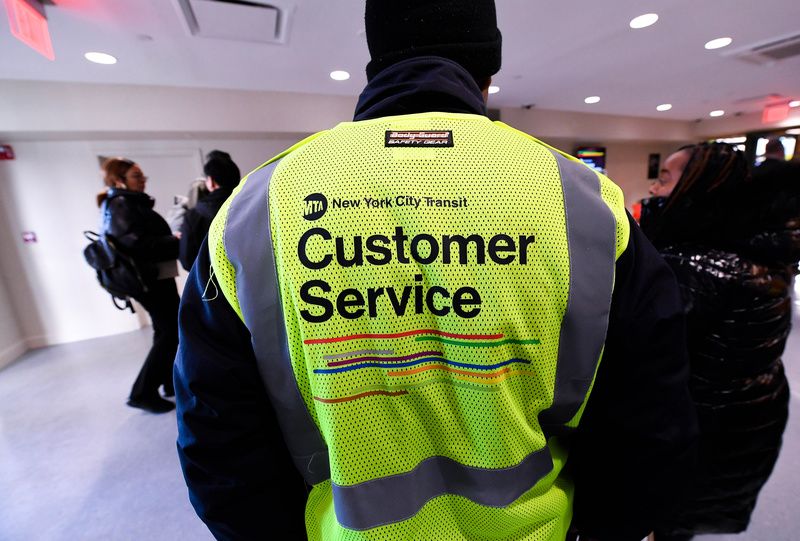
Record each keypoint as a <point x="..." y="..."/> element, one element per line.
<point x="236" y="20"/>
<point x="770" y="52"/>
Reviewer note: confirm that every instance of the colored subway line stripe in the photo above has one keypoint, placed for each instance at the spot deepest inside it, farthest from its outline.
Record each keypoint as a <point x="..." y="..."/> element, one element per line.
<point x="359" y="352"/>
<point x="502" y="376"/>
<point x="386" y="359"/>
<point x="505" y="376"/>
<point x="360" y="395"/>
<point x="463" y="375"/>
<point x="456" y="381"/>
<point x="463" y="383"/>
<point x="533" y="342"/>
<point x="362" y="392"/>
<point x="402" y="335"/>
<point x="419" y="361"/>
<point x="426" y="368"/>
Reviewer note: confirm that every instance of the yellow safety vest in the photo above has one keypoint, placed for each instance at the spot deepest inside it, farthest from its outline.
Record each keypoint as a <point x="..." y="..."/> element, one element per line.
<point x="428" y="297"/>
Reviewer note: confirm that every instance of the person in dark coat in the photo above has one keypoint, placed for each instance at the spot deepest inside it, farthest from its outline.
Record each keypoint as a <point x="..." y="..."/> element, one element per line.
<point x="634" y="448"/>
<point x="128" y="216"/>
<point x="733" y="244"/>
<point x="222" y="176"/>
<point x="775" y="166"/>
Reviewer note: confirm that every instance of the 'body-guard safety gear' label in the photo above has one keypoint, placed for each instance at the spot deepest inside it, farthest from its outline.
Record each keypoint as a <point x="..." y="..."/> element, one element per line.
<point x="406" y="138"/>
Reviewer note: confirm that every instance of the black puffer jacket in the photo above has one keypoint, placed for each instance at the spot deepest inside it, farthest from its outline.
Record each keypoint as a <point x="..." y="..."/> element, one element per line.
<point x="196" y="223"/>
<point x="129" y="217"/>
<point x="735" y="258"/>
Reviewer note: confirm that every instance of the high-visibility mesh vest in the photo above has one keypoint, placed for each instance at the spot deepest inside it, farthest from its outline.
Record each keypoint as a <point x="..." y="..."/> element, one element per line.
<point x="443" y="285"/>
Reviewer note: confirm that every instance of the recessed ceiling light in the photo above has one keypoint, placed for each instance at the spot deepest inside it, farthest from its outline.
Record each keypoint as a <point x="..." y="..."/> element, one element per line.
<point x="592" y="99"/>
<point x="643" y="21"/>
<point x="664" y="107"/>
<point x="340" y="75"/>
<point x="716" y="113"/>
<point x="795" y="103"/>
<point x="494" y="89"/>
<point x="718" y="43"/>
<point x="100" y="58"/>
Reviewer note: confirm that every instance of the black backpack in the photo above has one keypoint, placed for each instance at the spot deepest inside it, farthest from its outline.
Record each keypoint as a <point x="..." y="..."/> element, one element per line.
<point x="116" y="271"/>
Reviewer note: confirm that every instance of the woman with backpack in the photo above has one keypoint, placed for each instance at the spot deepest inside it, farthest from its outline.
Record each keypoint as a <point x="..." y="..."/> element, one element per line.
<point x="141" y="233"/>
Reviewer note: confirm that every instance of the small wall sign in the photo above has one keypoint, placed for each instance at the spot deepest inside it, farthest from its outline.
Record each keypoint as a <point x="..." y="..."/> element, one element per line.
<point x="6" y="152"/>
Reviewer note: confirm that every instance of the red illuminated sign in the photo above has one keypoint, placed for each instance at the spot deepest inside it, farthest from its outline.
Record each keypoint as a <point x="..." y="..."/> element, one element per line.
<point x="29" y="25"/>
<point x="775" y="113"/>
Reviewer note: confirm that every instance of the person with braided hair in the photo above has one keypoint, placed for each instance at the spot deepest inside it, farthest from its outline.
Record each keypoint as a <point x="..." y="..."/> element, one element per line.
<point x="733" y="245"/>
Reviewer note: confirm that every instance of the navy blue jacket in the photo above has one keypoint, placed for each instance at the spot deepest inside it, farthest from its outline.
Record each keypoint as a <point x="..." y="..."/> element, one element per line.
<point x="629" y="458"/>
<point x="196" y="223"/>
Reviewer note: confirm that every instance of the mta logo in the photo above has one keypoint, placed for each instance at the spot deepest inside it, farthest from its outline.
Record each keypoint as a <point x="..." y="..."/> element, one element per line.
<point x="316" y="206"/>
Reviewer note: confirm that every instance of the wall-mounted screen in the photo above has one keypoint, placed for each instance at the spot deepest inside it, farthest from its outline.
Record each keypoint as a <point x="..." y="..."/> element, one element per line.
<point x="594" y="157"/>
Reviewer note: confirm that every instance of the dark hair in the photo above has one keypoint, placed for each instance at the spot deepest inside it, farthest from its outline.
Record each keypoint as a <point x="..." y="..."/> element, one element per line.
<point x="224" y="172"/>
<point x="703" y="200"/>
<point x="710" y="166"/>
<point x="221" y="154"/>
<point x="114" y="170"/>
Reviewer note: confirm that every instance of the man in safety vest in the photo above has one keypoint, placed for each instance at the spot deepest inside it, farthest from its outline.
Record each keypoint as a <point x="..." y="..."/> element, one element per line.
<point x="439" y="325"/>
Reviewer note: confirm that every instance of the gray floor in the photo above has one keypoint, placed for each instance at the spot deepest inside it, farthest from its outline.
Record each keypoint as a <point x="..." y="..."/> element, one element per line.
<point x="77" y="464"/>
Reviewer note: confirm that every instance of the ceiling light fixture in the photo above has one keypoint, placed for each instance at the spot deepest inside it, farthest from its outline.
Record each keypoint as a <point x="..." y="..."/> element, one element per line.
<point x="716" y="113"/>
<point x="793" y="131"/>
<point x="340" y="75"/>
<point x="592" y="99"/>
<point x="643" y="21"/>
<point x="100" y="58"/>
<point x="494" y="89"/>
<point x="718" y="43"/>
<point x="795" y="103"/>
<point x="664" y="107"/>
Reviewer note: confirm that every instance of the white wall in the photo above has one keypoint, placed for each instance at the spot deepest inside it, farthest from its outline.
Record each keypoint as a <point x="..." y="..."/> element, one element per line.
<point x="12" y="341"/>
<point x="627" y="166"/>
<point x="65" y="108"/>
<point x="50" y="189"/>
<point x="567" y="125"/>
<point x="626" y="162"/>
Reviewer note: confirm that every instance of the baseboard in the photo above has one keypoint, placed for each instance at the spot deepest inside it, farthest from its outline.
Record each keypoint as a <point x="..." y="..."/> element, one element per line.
<point x="12" y="353"/>
<point x="41" y="341"/>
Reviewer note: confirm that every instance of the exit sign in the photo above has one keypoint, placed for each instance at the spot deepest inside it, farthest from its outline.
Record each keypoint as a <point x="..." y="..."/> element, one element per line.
<point x="29" y="25"/>
<point x="775" y="113"/>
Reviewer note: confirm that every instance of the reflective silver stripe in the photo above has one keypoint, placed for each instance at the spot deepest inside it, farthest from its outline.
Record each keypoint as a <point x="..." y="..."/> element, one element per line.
<point x="257" y="290"/>
<point x="591" y="236"/>
<point x="399" y="497"/>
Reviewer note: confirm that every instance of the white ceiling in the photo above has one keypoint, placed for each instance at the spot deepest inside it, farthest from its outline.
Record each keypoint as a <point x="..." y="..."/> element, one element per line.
<point x="555" y="53"/>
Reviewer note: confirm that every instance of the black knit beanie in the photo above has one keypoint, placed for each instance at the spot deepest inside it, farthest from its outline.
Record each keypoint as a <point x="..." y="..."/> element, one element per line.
<point x="464" y="31"/>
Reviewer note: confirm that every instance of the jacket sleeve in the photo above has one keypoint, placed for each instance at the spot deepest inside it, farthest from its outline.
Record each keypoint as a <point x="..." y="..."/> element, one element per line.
<point x="190" y="241"/>
<point x="129" y="228"/>
<point x="241" y="479"/>
<point x="634" y="451"/>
